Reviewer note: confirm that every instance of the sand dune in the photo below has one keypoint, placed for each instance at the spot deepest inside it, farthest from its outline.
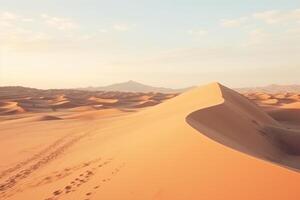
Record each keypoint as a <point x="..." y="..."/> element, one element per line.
<point x="10" y="108"/>
<point x="96" y="114"/>
<point x="207" y="143"/>
<point x="265" y="138"/>
<point x="16" y="100"/>
<point x="48" y="117"/>
<point x="103" y="101"/>
<point x="145" y="103"/>
<point x="272" y="89"/>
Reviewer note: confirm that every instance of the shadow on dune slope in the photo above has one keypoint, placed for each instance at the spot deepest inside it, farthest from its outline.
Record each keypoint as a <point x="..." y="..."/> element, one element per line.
<point x="240" y="124"/>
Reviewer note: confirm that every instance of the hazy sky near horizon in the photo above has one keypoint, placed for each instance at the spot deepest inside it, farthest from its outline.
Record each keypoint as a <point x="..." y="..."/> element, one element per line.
<point x="178" y="43"/>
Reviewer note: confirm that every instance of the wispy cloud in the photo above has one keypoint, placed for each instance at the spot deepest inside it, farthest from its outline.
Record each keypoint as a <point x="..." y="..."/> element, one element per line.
<point x="256" y="37"/>
<point x="265" y="28"/>
<point x="269" y="17"/>
<point x="122" y="27"/>
<point x="60" y="23"/>
<point x="13" y="31"/>
<point x="230" y="23"/>
<point x="102" y="30"/>
<point x="22" y="32"/>
<point x="276" y="16"/>
<point x="9" y="18"/>
<point x="47" y="32"/>
<point x="116" y="27"/>
<point x="197" y="32"/>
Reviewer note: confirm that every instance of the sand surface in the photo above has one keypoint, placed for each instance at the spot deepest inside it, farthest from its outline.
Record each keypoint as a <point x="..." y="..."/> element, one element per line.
<point x="207" y="143"/>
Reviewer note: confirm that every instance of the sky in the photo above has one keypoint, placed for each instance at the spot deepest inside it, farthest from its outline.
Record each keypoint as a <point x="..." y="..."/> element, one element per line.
<point x="178" y="43"/>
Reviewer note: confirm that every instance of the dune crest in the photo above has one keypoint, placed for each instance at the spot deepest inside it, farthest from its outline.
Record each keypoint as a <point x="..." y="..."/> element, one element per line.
<point x="240" y="124"/>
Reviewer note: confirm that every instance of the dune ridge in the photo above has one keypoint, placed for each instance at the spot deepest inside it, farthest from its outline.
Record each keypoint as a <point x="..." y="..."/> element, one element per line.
<point x="242" y="125"/>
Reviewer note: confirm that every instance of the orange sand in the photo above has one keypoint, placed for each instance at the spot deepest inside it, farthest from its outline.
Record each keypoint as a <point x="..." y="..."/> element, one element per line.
<point x="171" y="151"/>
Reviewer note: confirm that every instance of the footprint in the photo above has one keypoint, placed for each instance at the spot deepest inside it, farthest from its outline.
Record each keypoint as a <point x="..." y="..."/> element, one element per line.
<point x="89" y="172"/>
<point x="68" y="187"/>
<point x="57" y="192"/>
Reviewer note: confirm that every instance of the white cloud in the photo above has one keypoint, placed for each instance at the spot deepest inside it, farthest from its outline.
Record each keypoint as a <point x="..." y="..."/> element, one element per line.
<point x="275" y="16"/>
<point x="265" y="29"/>
<point x="230" y="23"/>
<point x="197" y="32"/>
<point x="270" y="17"/>
<point x="102" y="30"/>
<point x="8" y="16"/>
<point x="27" y="20"/>
<point x="117" y="27"/>
<point x="256" y="37"/>
<point x="122" y="27"/>
<point x="11" y="31"/>
<point x="23" y="32"/>
<point x="18" y="37"/>
<point x="59" y="22"/>
<point x="7" y="19"/>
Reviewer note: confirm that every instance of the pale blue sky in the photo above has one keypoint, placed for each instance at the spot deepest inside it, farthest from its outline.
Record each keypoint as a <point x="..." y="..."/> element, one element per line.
<point x="76" y="43"/>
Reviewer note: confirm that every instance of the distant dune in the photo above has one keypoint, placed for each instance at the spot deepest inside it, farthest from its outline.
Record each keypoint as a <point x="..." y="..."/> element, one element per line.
<point x="17" y="100"/>
<point x="10" y="107"/>
<point x="271" y="89"/>
<point x="207" y="143"/>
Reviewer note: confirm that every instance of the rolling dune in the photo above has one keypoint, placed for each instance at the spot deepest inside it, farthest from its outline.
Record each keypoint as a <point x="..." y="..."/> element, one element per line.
<point x="16" y="100"/>
<point x="10" y="107"/>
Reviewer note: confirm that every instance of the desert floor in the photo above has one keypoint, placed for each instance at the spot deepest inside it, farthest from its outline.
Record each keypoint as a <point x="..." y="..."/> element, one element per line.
<point x="207" y="143"/>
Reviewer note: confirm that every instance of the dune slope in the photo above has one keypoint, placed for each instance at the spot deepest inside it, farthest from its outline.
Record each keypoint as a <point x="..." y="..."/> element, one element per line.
<point x="242" y="125"/>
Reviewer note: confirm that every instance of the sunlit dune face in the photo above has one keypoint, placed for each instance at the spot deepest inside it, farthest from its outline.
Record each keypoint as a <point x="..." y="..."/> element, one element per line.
<point x="105" y="100"/>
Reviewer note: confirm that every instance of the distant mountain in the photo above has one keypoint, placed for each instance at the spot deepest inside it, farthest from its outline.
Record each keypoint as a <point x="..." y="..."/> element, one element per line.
<point x="133" y="86"/>
<point x="271" y="89"/>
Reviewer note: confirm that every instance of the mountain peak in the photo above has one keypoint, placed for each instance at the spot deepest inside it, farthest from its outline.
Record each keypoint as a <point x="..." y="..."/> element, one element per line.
<point x="132" y="82"/>
<point x="134" y="86"/>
